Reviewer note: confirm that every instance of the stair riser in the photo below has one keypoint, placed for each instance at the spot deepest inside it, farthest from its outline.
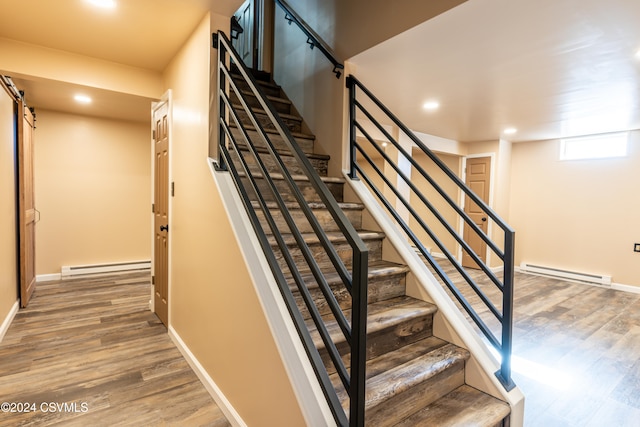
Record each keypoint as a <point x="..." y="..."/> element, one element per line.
<point x="380" y="288"/>
<point x="252" y="101"/>
<point x="269" y="90"/>
<point x="306" y="144"/>
<point x="343" y="250"/>
<point x="320" y="165"/>
<point x="385" y="340"/>
<point x="305" y="187"/>
<point x="322" y="215"/>
<point x="404" y="404"/>
<point x="294" y="125"/>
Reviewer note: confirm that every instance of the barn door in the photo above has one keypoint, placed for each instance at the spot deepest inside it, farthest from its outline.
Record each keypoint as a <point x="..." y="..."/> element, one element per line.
<point x="26" y="205"/>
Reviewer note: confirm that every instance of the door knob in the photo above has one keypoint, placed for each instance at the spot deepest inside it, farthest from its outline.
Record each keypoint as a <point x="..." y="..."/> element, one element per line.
<point x="484" y="218"/>
<point x="164" y="228"/>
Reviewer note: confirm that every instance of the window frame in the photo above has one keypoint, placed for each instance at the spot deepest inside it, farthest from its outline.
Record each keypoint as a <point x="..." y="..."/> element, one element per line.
<point x="605" y="138"/>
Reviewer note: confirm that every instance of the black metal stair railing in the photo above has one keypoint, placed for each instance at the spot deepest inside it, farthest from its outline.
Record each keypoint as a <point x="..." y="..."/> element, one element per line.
<point x="505" y="254"/>
<point x="247" y="180"/>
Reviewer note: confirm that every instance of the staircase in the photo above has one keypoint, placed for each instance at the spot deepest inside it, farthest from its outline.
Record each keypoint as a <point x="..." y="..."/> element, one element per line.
<point x="413" y="377"/>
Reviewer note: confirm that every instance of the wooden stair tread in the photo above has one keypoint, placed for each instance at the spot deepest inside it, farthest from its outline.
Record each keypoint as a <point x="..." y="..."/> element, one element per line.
<point x="301" y="135"/>
<point x="236" y="76"/>
<point x="281" y="152"/>
<point x="380" y="315"/>
<point x="334" y="237"/>
<point x="261" y="111"/>
<point x="377" y="269"/>
<point x="279" y="176"/>
<point x="270" y="97"/>
<point x="312" y="205"/>
<point x="419" y="369"/>
<point x="464" y="406"/>
<point x="398" y="371"/>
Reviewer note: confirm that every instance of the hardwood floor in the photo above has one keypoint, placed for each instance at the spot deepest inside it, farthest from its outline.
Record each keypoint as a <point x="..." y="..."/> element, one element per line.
<point x="92" y="344"/>
<point x="576" y="351"/>
<point x="577" y="354"/>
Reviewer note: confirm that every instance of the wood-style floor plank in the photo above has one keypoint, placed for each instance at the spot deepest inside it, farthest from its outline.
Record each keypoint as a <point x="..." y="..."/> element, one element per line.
<point x="576" y="356"/>
<point x="93" y="341"/>
<point x="576" y="350"/>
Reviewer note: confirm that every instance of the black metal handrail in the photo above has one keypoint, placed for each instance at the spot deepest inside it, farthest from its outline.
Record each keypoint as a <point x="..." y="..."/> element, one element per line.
<point x="313" y="39"/>
<point x="506" y="255"/>
<point x="355" y="281"/>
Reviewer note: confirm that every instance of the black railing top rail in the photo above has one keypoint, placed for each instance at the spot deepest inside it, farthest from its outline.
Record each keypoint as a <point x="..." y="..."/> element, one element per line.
<point x="313" y="38"/>
<point x="355" y="282"/>
<point x="504" y="316"/>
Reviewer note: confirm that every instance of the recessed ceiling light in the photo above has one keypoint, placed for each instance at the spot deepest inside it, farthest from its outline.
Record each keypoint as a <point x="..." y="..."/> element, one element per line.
<point x="83" y="99"/>
<point x="384" y="144"/>
<point x="105" y="4"/>
<point x="510" y="131"/>
<point x="431" y="105"/>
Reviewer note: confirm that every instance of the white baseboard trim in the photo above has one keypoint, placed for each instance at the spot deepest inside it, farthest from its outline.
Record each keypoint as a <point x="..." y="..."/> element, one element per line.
<point x="7" y="320"/>
<point x="615" y="286"/>
<point x="626" y="288"/>
<point x="215" y="392"/>
<point x="48" y="277"/>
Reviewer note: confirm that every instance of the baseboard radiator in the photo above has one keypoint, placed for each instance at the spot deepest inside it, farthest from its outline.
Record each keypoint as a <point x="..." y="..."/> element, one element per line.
<point x="77" y="270"/>
<point x="595" y="279"/>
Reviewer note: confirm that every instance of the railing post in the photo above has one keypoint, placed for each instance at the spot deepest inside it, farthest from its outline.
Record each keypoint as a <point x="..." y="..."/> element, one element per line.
<point x="222" y="109"/>
<point x="504" y="374"/>
<point x="358" y="337"/>
<point x="351" y="85"/>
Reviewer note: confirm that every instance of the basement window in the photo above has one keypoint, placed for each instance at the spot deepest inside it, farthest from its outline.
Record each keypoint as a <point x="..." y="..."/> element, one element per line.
<point x="594" y="147"/>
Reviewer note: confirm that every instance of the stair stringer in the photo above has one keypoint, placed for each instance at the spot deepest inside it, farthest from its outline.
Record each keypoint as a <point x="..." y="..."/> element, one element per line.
<point x="449" y="323"/>
<point x="311" y="399"/>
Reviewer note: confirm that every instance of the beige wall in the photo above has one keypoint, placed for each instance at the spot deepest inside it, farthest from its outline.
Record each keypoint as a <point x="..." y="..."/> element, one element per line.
<point x="453" y="162"/>
<point x="348" y="28"/>
<point x="92" y="183"/>
<point x="577" y="215"/>
<point x="8" y="256"/>
<point x="213" y="305"/>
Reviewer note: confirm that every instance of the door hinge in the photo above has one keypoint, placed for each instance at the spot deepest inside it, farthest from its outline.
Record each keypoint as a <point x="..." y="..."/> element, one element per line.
<point x="154" y="135"/>
<point x="153" y="208"/>
<point x="173" y="189"/>
<point x="153" y="280"/>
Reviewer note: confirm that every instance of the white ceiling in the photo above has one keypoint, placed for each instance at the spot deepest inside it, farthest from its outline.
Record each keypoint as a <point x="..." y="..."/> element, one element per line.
<point x="550" y="68"/>
<point x="140" y="33"/>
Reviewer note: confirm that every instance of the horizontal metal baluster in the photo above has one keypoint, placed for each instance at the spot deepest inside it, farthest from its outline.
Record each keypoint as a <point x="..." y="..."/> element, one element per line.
<point x="456" y="292"/>
<point x="481" y="203"/>
<point x="435" y="212"/>
<point x="435" y="185"/>
<point x="437" y="241"/>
